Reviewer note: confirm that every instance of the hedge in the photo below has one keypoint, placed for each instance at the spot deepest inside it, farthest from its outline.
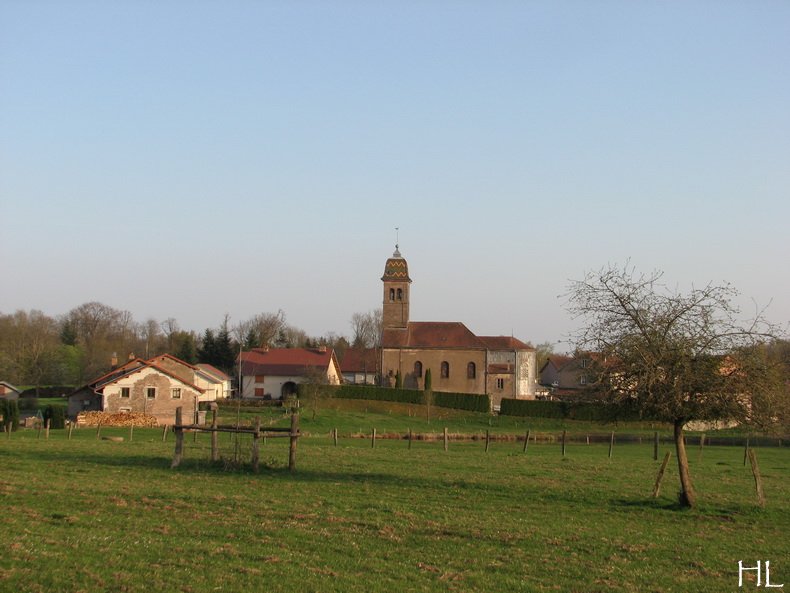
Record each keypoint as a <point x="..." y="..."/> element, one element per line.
<point x="599" y="412"/>
<point x="457" y="401"/>
<point x="371" y="392"/>
<point x="462" y="401"/>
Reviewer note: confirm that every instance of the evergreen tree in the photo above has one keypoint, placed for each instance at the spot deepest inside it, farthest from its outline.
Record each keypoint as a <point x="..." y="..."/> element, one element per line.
<point x="208" y="348"/>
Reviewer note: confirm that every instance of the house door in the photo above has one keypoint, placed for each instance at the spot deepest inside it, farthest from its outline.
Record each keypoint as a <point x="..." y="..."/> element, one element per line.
<point x="288" y="389"/>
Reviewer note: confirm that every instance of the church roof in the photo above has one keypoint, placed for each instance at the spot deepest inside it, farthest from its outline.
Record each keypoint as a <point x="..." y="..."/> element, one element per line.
<point x="432" y="334"/>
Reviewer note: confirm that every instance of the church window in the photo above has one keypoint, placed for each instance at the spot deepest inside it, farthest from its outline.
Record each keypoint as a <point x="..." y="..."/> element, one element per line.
<point x="418" y="369"/>
<point x="400" y="294"/>
<point x="471" y="371"/>
<point x="392" y="294"/>
<point x="500" y="384"/>
<point x="445" y="370"/>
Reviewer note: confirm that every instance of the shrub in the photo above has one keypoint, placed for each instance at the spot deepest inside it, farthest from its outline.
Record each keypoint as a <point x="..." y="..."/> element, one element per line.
<point x="10" y="411"/>
<point x="56" y="416"/>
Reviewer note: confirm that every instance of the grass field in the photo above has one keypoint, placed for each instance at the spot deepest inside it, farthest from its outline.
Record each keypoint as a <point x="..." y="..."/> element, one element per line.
<point x="91" y="515"/>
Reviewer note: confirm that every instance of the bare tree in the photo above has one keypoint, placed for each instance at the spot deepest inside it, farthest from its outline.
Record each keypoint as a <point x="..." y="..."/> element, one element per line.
<point x="366" y="329"/>
<point x="675" y="357"/>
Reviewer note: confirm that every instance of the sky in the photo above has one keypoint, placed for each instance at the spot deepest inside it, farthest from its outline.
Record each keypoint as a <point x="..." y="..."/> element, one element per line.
<point x="196" y="159"/>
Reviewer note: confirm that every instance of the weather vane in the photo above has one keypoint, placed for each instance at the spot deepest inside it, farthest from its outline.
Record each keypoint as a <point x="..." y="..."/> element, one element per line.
<point x="397" y="237"/>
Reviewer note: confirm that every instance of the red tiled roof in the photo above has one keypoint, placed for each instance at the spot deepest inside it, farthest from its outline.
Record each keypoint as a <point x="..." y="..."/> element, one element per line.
<point x="174" y="359"/>
<point x="363" y="360"/>
<point x="113" y="377"/>
<point x="504" y="343"/>
<point x="214" y="371"/>
<point x="284" y="361"/>
<point x="432" y="334"/>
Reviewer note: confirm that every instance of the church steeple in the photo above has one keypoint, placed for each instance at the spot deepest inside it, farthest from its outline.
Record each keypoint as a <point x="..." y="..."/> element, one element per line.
<point x="396" y="292"/>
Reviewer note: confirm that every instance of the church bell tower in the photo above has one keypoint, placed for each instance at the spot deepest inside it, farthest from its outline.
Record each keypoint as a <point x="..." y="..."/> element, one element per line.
<point x="396" y="292"/>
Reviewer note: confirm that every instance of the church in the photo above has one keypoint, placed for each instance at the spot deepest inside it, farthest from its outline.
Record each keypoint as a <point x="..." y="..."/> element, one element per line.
<point x="460" y="361"/>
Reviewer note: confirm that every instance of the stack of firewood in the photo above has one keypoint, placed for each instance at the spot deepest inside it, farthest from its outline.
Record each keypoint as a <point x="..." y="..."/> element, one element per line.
<point x="119" y="419"/>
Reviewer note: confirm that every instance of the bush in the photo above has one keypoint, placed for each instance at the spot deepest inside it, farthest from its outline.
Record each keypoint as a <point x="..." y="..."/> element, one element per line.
<point x="56" y="416"/>
<point x="10" y="411"/>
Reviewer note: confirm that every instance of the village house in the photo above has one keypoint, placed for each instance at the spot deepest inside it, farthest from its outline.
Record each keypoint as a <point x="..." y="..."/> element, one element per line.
<point x="274" y="373"/>
<point x="8" y="391"/>
<point x="567" y="376"/>
<point x="360" y="366"/>
<point x="154" y="387"/>
<point x="460" y="361"/>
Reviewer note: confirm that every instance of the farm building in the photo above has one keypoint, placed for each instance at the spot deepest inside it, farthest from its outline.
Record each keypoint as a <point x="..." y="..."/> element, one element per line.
<point x="8" y="391"/>
<point x="274" y="373"/>
<point x="155" y="387"/>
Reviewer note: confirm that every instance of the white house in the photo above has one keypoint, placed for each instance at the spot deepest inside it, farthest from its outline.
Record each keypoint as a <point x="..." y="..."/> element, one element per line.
<point x="274" y="373"/>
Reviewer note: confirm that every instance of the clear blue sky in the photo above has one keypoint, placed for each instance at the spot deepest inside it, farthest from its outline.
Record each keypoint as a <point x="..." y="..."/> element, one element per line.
<point x="191" y="159"/>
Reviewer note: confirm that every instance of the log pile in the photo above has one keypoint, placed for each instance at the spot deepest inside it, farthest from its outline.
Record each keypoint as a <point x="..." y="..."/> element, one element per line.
<point x="136" y="419"/>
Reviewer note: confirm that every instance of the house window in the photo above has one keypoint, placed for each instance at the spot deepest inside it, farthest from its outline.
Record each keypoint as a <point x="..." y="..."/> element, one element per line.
<point x="150" y="392"/>
<point x="418" y="369"/>
<point x="125" y="392"/>
<point x="500" y="384"/>
<point x="124" y="410"/>
<point x="585" y="362"/>
<point x="259" y="378"/>
<point x="175" y="393"/>
<point x="445" y="370"/>
<point x="392" y="294"/>
<point x="400" y="294"/>
<point x="259" y="392"/>
<point x="471" y="371"/>
<point x="583" y="380"/>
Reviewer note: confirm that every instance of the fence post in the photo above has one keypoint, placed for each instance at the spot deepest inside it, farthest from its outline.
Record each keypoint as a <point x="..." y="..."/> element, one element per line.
<point x="410" y="438"/>
<point x="758" y="480"/>
<point x="71" y="427"/>
<point x="179" y="430"/>
<point x="164" y="433"/>
<point x="294" y="438"/>
<point x="526" y="441"/>
<point x="98" y="430"/>
<point x="563" y="442"/>
<point x="373" y="439"/>
<point x="335" y="437"/>
<point x="701" y="444"/>
<point x="657" y="487"/>
<point x="38" y="433"/>
<point x="655" y="446"/>
<point x="445" y="439"/>
<point x="48" y="422"/>
<point x="131" y="432"/>
<point x="214" y="434"/>
<point x="256" y="436"/>
<point x="488" y="440"/>
<point x="611" y="444"/>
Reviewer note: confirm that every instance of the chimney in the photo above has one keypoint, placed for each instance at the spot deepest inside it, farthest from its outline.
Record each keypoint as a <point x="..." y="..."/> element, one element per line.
<point x="114" y="360"/>
<point x="322" y="349"/>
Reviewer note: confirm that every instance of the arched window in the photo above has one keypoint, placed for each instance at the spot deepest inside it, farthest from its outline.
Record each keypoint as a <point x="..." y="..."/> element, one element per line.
<point x="400" y="294"/>
<point x="445" y="370"/>
<point x="471" y="371"/>
<point x="392" y="294"/>
<point x="418" y="369"/>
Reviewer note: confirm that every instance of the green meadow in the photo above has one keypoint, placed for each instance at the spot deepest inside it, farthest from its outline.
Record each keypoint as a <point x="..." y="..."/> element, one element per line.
<point x="92" y="515"/>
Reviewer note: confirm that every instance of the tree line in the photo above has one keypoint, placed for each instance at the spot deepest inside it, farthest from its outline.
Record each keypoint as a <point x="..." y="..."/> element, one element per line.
<point x="37" y="349"/>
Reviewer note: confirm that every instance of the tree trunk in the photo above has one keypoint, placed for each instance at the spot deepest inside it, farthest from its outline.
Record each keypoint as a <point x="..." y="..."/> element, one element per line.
<point x="687" y="497"/>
